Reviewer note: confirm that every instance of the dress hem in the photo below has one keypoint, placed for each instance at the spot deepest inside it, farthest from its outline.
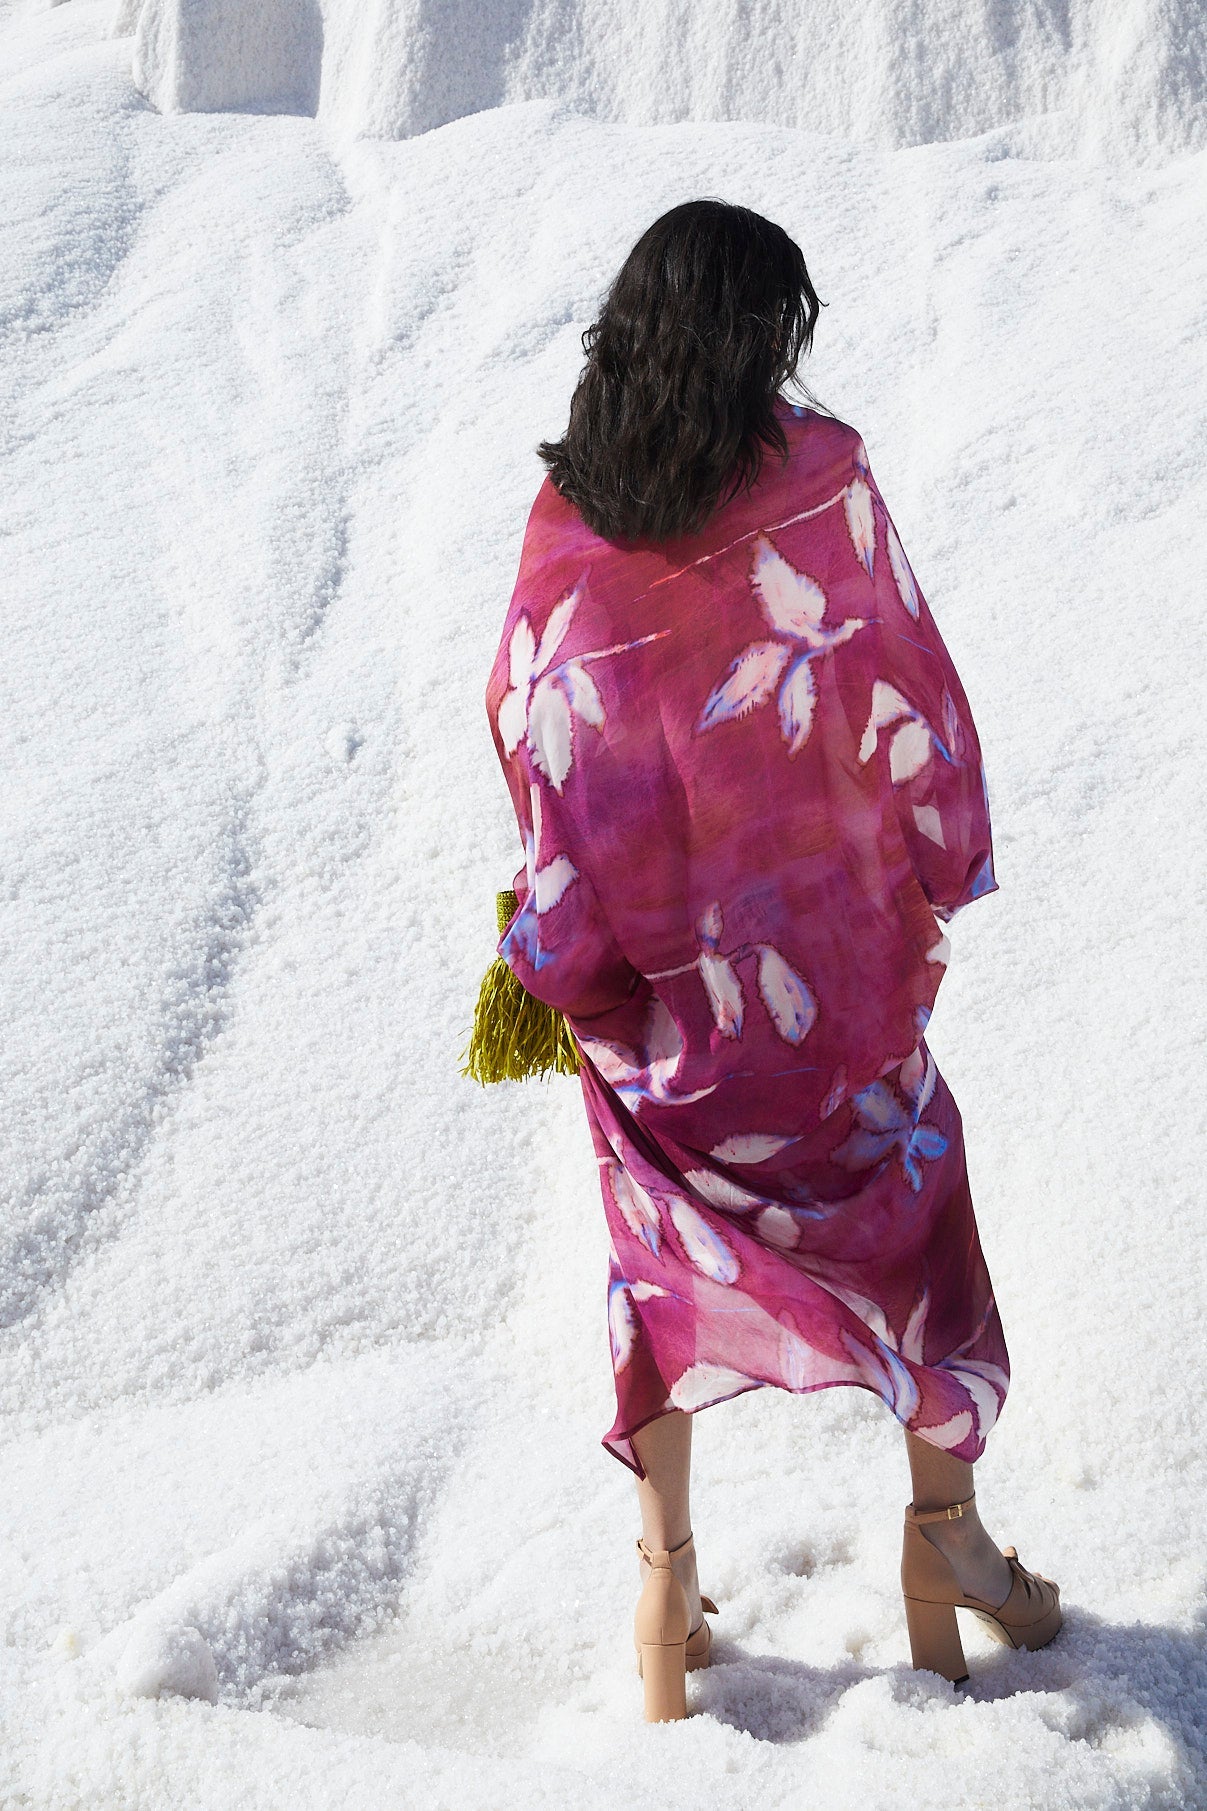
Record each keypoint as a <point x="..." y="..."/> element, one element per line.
<point x="613" y="1440"/>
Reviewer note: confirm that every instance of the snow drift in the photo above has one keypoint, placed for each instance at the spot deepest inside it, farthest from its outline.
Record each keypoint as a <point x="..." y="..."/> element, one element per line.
<point x="303" y="1352"/>
<point x="1126" y="78"/>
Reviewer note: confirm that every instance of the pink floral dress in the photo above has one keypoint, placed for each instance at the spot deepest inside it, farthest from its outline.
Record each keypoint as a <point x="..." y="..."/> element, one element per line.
<point x="750" y="793"/>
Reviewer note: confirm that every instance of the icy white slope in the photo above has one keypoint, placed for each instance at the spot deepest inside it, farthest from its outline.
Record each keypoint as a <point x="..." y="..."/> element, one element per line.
<point x="303" y="1363"/>
<point x="1120" y="78"/>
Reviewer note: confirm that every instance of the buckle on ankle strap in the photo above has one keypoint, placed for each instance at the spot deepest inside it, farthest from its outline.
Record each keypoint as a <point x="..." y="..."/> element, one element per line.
<point x="647" y="1552"/>
<point x="951" y="1513"/>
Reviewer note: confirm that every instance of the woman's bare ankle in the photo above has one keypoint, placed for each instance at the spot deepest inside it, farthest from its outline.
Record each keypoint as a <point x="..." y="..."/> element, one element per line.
<point x="683" y="1565"/>
<point x="974" y="1556"/>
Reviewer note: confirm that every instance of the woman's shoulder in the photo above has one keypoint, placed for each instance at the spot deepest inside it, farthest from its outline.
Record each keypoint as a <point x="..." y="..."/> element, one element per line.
<point x="822" y="435"/>
<point x="825" y="457"/>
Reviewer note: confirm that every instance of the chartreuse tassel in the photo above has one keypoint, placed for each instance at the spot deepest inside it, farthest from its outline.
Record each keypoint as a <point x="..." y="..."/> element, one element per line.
<point x="515" y="1035"/>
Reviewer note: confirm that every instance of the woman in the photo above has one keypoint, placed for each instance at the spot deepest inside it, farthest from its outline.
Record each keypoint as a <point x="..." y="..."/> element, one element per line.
<point x="749" y="789"/>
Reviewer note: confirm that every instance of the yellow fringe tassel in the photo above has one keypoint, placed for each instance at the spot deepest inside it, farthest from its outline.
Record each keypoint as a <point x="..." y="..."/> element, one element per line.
<point x="514" y="1035"/>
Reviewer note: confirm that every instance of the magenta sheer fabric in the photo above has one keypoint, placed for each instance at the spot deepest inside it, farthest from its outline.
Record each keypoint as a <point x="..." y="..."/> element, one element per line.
<point x="750" y="792"/>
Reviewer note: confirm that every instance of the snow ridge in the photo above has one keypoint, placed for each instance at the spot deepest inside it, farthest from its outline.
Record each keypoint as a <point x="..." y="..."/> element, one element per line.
<point x="1123" y="78"/>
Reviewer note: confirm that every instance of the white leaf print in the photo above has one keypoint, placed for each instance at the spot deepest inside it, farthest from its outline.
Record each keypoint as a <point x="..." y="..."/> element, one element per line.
<point x="637" y="1207"/>
<point x="583" y="694"/>
<point x="948" y="1433"/>
<point x="702" y="1384"/>
<point x="519" y="654"/>
<point x="912" y="1071"/>
<point x="797" y="698"/>
<point x="560" y="618"/>
<point x="940" y="951"/>
<point x="552" y="881"/>
<point x="513" y="718"/>
<point x="915" y="1329"/>
<point x="711" y="925"/>
<point x="777" y="1226"/>
<point x="838" y="1089"/>
<point x="867" y="742"/>
<point x="903" y="1390"/>
<point x="615" y="1062"/>
<point x="719" y="1191"/>
<point x="861" y="523"/>
<point x="804" y="1367"/>
<point x="888" y="703"/>
<point x="880" y="1367"/>
<point x="951" y="723"/>
<point x="792" y="602"/>
<point x="642" y="1291"/>
<point x="647" y="1073"/>
<point x="622" y="1325"/>
<point x="902" y="573"/>
<point x="545" y="702"/>
<point x="750" y="681"/>
<point x="703" y="1244"/>
<point x="868" y="1311"/>
<point x="750" y="1147"/>
<point x="724" y="991"/>
<point x="887" y="706"/>
<point x="785" y="995"/>
<point x="663" y="1038"/>
<point x="928" y="1085"/>
<point x="549" y="733"/>
<point x="844" y="631"/>
<point x="878" y="1107"/>
<point x="909" y="750"/>
<point x="983" y="1395"/>
<point x="795" y="1360"/>
<point x="930" y="824"/>
<point x="663" y="1047"/>
<point x="983" y="1368"/>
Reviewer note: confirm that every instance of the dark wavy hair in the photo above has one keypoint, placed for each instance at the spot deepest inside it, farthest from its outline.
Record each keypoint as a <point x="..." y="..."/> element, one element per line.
<point x="674" y="408"/>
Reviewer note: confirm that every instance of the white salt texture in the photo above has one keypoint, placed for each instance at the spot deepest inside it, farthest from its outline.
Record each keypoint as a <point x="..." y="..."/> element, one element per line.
<point x="303" y="1352"/>
<point x="1113" y="77"/>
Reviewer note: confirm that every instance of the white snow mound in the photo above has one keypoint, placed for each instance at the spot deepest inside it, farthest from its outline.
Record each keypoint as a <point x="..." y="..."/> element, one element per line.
<point x="1124" y="78"/>
<point x="178" y="1660"/>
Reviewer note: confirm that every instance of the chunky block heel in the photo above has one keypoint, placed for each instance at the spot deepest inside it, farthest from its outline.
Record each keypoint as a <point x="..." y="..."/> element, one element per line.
<point x="664" y="1676"/>
<point x="667" y="1649"/>
<point x="660" y="1629"/>
<point x="1028" y="1618"/>
<point x="934" y="1639"/>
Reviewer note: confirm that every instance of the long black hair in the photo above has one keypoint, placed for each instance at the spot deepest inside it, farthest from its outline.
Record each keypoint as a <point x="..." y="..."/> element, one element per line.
<point x="674" y="408"/>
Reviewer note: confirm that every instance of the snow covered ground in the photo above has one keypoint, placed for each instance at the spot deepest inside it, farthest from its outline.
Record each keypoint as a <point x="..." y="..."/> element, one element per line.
<point x="303" y="1363"/>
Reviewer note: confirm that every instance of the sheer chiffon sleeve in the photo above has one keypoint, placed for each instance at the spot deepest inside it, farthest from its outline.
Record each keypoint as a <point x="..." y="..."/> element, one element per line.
<point x="921" y="726"/>
<point x="559" y="944"/>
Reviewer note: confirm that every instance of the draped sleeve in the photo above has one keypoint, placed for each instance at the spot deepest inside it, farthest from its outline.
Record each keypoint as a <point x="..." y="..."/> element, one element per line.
<point x="921" y="729"/>
<point x="559" y="943"/>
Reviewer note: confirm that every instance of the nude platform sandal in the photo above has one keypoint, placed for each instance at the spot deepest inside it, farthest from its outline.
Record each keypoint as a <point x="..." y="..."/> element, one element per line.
<point x="667" y="1648"/>
<point x="1028" y="1618"/>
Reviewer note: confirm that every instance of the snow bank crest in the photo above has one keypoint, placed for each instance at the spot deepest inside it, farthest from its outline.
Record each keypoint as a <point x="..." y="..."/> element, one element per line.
<point x="1122" y="78"/>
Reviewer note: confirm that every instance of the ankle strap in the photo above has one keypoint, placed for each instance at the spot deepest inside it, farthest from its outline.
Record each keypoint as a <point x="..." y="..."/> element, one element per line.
<point x="952" y="1513"/>
<point x="654" y="1554"/>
